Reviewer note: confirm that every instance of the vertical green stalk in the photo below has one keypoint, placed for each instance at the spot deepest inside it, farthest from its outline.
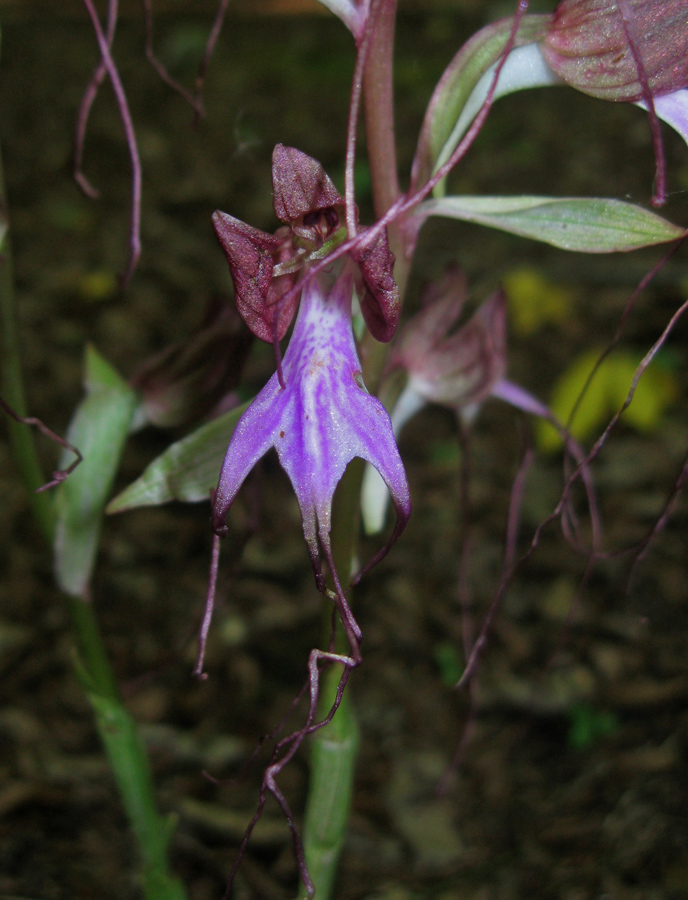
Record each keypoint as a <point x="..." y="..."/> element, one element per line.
<point x="123" y="745"/>
<point x="127" y="755"/>
<point x="21" y="437"/>
<point x="333" y="761"/>
<point x="335" y="747"/>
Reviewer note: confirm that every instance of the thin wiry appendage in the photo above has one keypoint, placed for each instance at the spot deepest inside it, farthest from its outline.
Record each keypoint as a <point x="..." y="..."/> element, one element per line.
<point x="130" y="136"/>
<point x="595" y="554"/>
<point x="287" y="747"/>
<point x="59" y="475"/>
<point x="208" y="54"/>
<point x="464" y="595"/>
<point x="644" y="544"/>
<point x="513" y="521"/>
<point x="644" y="282"/>
<point x="659" y="196"/>
<point x="290" y="711"/>
<point x="209" y="606"/>
<point x="354" y="108"/>
<point x="472" y="133"/>
<point x="514" y="517"/>
<point x="195" y="102"/>
<point x="90" y="94"/>
<point x="290" y="745"/>
<point x="509" y="567"/>
<point x="642" y="366"/>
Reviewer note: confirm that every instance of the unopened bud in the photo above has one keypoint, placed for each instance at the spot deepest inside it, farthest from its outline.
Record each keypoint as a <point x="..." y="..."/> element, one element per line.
<point x="456" y="369"/>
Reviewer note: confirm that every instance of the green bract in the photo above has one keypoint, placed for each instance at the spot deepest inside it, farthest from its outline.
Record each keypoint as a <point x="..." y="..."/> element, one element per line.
<point x="99" y="428"/>
<point x="186" y="471"/>
<point x="587" y="225"/>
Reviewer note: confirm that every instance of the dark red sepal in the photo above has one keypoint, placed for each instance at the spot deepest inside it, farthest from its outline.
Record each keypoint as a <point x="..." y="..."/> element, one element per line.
<point x="251" y="255"/>
<point x="300" y="185"/>
<point x="377" y="290"/>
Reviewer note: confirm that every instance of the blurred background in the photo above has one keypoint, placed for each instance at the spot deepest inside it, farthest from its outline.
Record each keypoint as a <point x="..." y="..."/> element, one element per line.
<point x="572" y="785"/>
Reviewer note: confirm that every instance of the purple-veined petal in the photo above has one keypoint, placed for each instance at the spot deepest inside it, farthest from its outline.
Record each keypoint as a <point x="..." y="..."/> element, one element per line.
<point x="251" y="440"/>
<point x="319" y="421"/>
<point x="374" y="492"/>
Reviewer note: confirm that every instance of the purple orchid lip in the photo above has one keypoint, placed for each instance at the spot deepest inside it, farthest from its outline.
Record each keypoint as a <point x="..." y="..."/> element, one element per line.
<point x="318" y="422"/>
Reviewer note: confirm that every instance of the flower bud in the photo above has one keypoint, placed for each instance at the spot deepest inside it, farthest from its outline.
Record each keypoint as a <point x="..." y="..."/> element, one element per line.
<point x="587" y="45"/>
<point x="456" y="369"/>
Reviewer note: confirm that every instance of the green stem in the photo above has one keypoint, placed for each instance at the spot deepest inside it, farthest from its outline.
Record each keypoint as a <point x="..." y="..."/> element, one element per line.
<point x="116" y="727"/>
<point x="333" y="760"/>
<point x="127" y="755"/>
<point x="21" y="437"/>
<point x="335" y="747"/>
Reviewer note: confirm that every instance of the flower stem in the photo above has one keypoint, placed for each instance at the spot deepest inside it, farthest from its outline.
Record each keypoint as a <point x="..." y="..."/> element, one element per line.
<point x="21" y="437"/>
<point x="123" y="745"/>
<point x="335" y="747"/>
<point x="379" y="108"/>
<point x="127" y="755"/>
<point x="333" y="759"/>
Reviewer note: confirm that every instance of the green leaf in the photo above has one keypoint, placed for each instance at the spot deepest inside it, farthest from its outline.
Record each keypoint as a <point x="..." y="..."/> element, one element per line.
<point x="582" y="224"/>
<point x="99" y="428"/>
<point x="187" y="470"/>
<point x="444" y="125"/>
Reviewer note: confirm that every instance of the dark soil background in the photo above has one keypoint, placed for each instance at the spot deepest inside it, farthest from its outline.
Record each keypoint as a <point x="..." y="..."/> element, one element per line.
<point x="572" y="785"/>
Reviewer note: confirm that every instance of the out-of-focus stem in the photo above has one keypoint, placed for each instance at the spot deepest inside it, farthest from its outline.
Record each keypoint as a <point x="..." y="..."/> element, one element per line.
<point x="116" y="726"/>
<point x="21" y="437"/>
<point x="127" y="755"/>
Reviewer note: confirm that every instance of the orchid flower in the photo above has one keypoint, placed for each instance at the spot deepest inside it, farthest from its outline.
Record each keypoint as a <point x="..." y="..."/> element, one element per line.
<point x="458" y="370"/>
<point x="316" y="411"/>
